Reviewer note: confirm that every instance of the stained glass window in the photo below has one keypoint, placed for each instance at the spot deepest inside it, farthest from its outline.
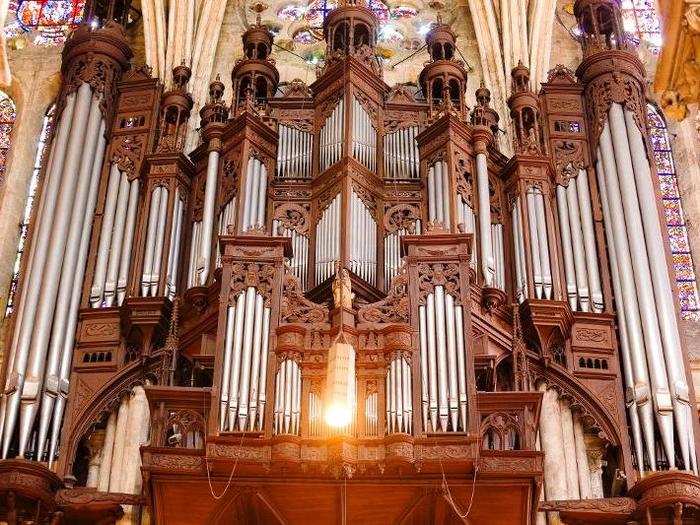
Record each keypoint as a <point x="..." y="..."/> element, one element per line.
<point x="7" y="121"/>
<point x="24" y="226"/>
<point x="47" y="21"/>
<point x="675" y="220"/>
<point x="641" y="20"/>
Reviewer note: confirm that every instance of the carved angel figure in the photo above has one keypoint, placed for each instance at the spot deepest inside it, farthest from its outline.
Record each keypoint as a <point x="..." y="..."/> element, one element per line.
<point x="342" y="289"/>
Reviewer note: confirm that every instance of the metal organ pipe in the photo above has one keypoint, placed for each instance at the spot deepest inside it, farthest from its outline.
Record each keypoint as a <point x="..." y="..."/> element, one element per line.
<point x="70" y="189"/>
<point x="443" y="355"/>
<point x="287" y="398"/>
<point x="154" y="241"/>
<point x="438" y="194"/>
<point x="331" y="137"/>
<point x="328" y="240"/>
<point x="204" y="258"/>
<point x="363" y="240"/>
<point x="245" y="363"/>
<point x="663" y="293"/>
<point x="364" y="136"/>
<point x="392" y="252"/>
<point x="399" y="400"/>
<point x="485" y="240"/>
<point x="616" y="220"/>
<point x="578" y="242"/>
<point x="299" y="262"/>
<point x="174" y="249"/>
<point x="293" y="153"/>
<point x="639" y="413"/>
<point x="521" y="285"/>
<point x="113" y="254"/>
<point x="255" y="198"/>
<point x="401" y="154"/>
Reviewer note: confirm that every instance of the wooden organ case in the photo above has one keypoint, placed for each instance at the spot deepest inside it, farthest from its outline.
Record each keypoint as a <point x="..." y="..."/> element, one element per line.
<point x="481" y="311"/>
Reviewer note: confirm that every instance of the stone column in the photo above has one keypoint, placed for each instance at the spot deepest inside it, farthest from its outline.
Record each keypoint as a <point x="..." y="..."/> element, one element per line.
<point x="97" y="439"/>
<point x="553" y="446"/>
<point x="136" y="435"/>
<point x="107" y="449"/>
<point x="595" y="450"/>
<point x="117" y="467"/>
<point x="567" y="428"/>
<point x="584" y="477"/>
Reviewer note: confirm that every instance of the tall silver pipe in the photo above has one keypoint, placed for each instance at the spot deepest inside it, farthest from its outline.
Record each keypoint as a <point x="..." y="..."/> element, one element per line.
<point x="33" y="364"/>
<point x="640" y="351"/>
<point x="521" y="288"/>
<point x="241" y="407"/>
<point x="567" y="248"/>
<point x="461" y="364"/>
<point x="662" y="290"/>
<point x="74" y="259"/>
<point x="482" y="182"/>
<point x="255" y="364"/>
<point x="125" y="259"/>
<point x="534" y="244"/>
<point x="66" y="352"/>
<point x="634" y="410"/>
<point x="228" y="350"/>
<point x="241" y="318"/>
<point x="584" y="196"/>
<point x="425" y="378"/>
<point x="208" y="214"/>
<point x="98" y="280"/>
<point x="262" y="379"/>
<point x="441" y="347"/>
<point x="578" y="247"/>
<point x="543" y="242"/>
<point x="453" y="397"/>
<point x="151" y="234"/>
<point x="110" y="293"/>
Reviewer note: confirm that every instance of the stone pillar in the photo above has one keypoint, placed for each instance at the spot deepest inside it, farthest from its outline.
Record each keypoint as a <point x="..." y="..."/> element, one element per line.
<point x="97" y="439"/>
<point x="136" y="435"/>
<point x="584" y="478"/>
<point x="107" y="449"/>
<point x="553" y="446"/>
<point x="117" y="465"/>
<point x="567" y="428"/>
<point x="595" y="450"/>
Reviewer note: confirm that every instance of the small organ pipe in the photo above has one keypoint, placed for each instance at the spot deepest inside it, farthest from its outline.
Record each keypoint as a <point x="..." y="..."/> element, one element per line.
<point x="174" y="250"/>
<point x="451" y="360"/>
<point x="110" y="292"/>
<point x="98" y="280"/>
<point x="432" y="363"/>
<point x="425" y="378"/>
<point x="461" y="363"/>
<point x="125" y="259"/>
<point x="151" y="241"/>
<point x="577" y="245"/>
<point x="567" y="248"/>
<point x="520" y="267"/>
<point x="543" y="243"/>
<point x="584" y="197"/>
<point x="432" y="201"/>
<point x="160" y="237"/>
<point x="534" y="244"/>
<point x="228" y="350"/>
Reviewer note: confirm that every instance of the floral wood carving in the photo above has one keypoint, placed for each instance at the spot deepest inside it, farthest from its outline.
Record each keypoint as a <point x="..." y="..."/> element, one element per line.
<point x="465" y="180"/>
<point x="295" y="308"/>
<point x="431" y="275"/>
<point x="128" y="153"/>
<point x="259" y="276"/>
<point x="394" y="308"/>
<point x="296" y="89"/>
<point x="292" y="216"/>
<point x="401" y="217"/>
<point x="615" y="87"/>
<point x="568" y="160"/>
<point x="229" y="181"/>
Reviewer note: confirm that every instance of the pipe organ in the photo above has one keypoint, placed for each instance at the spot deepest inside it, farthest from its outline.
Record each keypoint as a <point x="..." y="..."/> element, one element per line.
<point x="401" y="154"/>
<point x="181" y="313"/>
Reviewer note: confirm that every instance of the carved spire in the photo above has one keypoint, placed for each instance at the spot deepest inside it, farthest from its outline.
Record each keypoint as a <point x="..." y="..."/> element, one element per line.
<point x="483" y="114"/>
<point x="176" y="106"/>
<point x="525" y="112"/>
<point x="600" y="22"/>
<point x="215" y="112"/>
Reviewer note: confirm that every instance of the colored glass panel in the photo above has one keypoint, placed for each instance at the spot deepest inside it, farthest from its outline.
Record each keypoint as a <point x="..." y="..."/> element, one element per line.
<point x="682" y="259"/>
<point x="31" y="194"/>
<point x="641" y="20"/>
<point x="48" y="21"/>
